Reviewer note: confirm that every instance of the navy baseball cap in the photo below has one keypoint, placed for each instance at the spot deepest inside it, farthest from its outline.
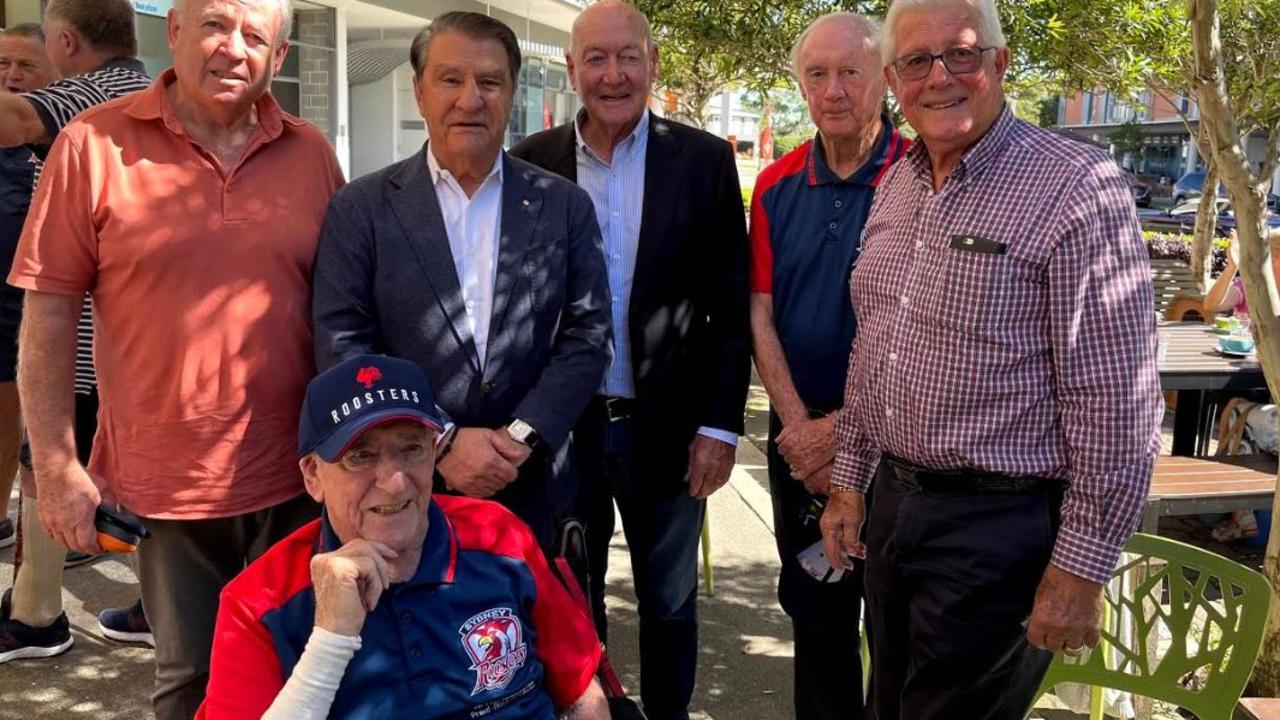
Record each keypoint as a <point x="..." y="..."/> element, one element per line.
<point x="360" y="393"/>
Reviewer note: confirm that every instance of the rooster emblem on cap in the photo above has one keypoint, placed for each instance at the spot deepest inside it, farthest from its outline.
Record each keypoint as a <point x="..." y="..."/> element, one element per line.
<point x="367" y="376"/>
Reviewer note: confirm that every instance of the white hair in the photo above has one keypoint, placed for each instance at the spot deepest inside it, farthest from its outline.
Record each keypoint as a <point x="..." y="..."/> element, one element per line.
<point x="284" y="6"/>
<point x="868" y="27"/>
<point x="990" y="33"/>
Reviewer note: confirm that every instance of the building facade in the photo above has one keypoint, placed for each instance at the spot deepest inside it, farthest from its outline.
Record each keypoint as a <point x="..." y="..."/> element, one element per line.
<point x="348" y="69"/>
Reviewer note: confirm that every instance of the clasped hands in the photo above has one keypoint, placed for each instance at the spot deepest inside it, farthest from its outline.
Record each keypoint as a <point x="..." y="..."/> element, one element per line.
<point x="482" y="461"/>
<point x="809" y="447"/>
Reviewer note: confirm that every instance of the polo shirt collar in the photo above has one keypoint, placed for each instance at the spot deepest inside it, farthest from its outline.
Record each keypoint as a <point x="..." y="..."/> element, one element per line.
<point x="439" y="550"/>
<point x="124" y="63"/>
<point x="153" y="104"/>
<point x="629" y="144"/>
<point x="869" y="174"/>
<point x="988" y="147"/>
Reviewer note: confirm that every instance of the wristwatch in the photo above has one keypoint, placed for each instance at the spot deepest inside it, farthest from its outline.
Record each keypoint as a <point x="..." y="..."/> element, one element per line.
<point x="523" y="432"/>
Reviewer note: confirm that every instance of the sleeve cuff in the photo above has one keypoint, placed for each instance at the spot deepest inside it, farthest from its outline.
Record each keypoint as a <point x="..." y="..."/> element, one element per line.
<point x="723" y="436"/>
<point x="854" y="471"/>
<point x="1087" y="557"/>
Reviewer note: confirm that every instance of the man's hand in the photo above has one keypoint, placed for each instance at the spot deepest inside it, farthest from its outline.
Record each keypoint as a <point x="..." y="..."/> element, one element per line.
<point x="348" y="583"/>
<point x="710" y="463"/>
<point x="841" y="526"/>
<point x="512" y="450"/>
<point x="808" y="445"/>
<point x="474" y="467"/>
<point x="818" y="482"/>
<point x="68" y="502"/>
<point x="1067" y="614"/>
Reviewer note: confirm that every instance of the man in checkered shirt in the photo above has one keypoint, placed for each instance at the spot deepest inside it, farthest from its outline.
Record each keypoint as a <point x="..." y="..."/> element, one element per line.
<point x="1002" y="403"/>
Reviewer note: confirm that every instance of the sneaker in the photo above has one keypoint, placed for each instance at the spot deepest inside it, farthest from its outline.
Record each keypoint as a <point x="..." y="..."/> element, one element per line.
<point x="8" y="533"/>
<point x="19" y="640"/>
<point x="75" y="558"/>
<point x="126" y="624"/>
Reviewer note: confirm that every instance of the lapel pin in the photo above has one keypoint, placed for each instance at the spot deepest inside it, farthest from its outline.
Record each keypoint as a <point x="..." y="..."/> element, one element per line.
<point x="525" y="202"/>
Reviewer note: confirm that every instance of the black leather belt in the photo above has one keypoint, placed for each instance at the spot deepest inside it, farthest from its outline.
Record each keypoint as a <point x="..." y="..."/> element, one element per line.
<point x="968" y="480"/>
<point x="617" y="408"/>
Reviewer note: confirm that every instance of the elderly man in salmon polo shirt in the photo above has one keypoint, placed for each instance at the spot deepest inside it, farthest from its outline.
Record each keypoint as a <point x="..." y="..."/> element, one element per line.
<point x="190" y="212"/>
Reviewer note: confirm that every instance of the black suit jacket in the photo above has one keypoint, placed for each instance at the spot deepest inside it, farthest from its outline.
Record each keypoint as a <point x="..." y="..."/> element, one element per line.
<point x="385" y="283"/>
<point x="689" y="321"/>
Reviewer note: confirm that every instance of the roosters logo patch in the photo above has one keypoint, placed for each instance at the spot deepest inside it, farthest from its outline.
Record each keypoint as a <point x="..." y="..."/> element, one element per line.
<point x="494" y="639"/>
<point x="367" y="376"/>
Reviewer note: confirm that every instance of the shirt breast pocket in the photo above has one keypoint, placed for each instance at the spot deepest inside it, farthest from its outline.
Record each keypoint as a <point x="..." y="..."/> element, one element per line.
<point x="973" y="282"/>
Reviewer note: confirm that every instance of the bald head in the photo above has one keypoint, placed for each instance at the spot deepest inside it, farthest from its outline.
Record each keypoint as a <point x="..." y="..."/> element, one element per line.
<point x="608" y="12"/>
<point x="283" y="7"/>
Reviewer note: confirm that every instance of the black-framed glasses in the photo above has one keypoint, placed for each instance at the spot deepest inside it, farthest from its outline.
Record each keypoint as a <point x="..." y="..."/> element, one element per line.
<point x="958" y="60"/>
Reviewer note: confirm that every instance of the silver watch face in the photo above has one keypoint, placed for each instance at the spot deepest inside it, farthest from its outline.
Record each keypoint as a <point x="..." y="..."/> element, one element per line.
<point x="520" y="431"/>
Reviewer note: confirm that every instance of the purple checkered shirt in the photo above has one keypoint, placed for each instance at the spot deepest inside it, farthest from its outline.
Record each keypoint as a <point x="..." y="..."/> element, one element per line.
<point x="1038" y="361"/>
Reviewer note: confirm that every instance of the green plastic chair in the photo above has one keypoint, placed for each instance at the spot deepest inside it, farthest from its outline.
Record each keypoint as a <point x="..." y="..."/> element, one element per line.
<point x="1170" y="585"/>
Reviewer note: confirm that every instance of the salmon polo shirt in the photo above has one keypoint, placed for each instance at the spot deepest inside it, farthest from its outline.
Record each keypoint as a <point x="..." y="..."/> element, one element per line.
<point x="201" y="285"/>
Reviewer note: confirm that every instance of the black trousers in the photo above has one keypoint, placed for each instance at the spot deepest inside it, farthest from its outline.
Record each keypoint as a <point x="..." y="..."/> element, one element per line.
<point x="824" y="616"/>
<point x="951" y="580"/>
<point x="662" y="524"/>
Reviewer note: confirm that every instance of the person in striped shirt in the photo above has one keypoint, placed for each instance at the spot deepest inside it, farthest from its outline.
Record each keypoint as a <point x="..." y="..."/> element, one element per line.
<point x="93" y="44"/>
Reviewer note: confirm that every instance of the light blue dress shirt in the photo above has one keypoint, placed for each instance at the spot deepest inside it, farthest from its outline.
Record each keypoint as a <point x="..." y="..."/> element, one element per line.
<point x="617" y="191"/>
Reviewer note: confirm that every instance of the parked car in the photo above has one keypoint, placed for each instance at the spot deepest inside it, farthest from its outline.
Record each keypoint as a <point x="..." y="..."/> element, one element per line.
<point x="1182" y="218"/>
<point x="1190" y="186"/>
<point x="1141" y="191"/>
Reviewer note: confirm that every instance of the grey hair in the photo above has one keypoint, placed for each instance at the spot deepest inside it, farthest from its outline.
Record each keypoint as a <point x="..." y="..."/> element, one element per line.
<point x="31" y="31"/>
<point x="650" y="43"/>
<point x="869" y="28"/>
<point x="286" y="16"/>
<point x="990" y="33"/>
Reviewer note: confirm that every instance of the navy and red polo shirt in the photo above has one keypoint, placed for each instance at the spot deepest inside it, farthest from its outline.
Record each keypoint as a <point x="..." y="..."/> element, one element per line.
<point x="806" y="232"/>
<point x="482" y="630"/>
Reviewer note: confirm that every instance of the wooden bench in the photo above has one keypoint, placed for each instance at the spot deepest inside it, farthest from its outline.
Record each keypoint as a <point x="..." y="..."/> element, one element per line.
<point x="1175" y="289"/>
<point x="1260" y="708"/>
<point x="1192" y="485"/>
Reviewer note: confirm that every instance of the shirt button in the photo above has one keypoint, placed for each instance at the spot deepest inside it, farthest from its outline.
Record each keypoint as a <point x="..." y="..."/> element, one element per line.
<point x="617" y="256"/>
<point x="615" y="213"/>
<point x="415" y="653"/>
<point x="919" y="245"/>
<point x="838" y="203"/>
<point x="832" y="226"/>
<point x="888" y="412"/>
<point x="904" y="301"/>
<point x="893" y="357"/>
<point x="407" y="618"/>
<point x="486" y="387"/>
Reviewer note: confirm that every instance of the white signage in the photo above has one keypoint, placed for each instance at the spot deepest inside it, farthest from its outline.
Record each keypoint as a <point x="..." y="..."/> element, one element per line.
<point x="159" y="8"/>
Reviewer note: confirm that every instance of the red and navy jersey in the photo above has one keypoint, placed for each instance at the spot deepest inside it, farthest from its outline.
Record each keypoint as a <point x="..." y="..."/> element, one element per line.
<point x="482" y="630"/>
<point x="806" y="232"/>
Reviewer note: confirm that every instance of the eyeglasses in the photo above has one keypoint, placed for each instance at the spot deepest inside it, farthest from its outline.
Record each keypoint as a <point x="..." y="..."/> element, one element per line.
<point x="959" y="60"/>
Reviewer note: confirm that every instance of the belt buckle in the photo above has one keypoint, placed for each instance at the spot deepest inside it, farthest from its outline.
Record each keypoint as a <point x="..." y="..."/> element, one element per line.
<point x="616" y="409"/>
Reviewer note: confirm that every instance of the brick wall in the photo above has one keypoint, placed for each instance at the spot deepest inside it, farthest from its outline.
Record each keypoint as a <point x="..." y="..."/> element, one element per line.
<point x="315" y="67"/>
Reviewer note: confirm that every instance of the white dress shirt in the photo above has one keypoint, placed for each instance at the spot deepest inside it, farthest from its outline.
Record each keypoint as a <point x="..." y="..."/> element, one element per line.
<point x="617" y="191"/>
<point x="474" y="225"/>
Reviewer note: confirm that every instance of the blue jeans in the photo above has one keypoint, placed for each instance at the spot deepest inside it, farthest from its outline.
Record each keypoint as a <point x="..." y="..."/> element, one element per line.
<point x="662" y="524"/>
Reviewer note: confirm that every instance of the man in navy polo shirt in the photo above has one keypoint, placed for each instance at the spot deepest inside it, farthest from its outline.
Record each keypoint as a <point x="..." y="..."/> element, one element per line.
<point x="807" y="215"/>
<point x="395" y="604"/>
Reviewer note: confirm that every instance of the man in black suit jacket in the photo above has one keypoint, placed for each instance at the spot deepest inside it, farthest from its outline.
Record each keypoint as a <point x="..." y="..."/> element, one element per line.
<point x="484" y="269"/>
<point x="661" y="435"/>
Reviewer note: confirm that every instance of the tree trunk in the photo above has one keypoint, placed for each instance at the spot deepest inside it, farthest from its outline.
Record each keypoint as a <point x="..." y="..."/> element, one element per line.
<point x="1255" y="269"/>
<point x="1206" y="223"/>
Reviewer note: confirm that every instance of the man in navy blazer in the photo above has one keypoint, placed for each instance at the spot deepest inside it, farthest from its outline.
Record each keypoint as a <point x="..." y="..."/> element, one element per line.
<point x="660" y="437"/>
<point x="484" y="269"/>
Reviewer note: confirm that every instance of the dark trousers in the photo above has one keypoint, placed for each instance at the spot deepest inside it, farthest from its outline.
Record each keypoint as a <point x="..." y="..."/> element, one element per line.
<point x="662" y="524"/>
<point x="824" y="616"/>
<point x="951" y="579"/>
<point x="182" y="568"/>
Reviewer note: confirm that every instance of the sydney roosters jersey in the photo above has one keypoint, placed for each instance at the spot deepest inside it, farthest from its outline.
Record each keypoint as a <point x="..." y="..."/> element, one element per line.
<point x="482" y="630"/>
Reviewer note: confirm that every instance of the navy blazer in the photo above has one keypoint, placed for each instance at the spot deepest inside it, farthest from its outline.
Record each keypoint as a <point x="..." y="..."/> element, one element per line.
<point x="385" y="282"/>
<point x="688" y="316"/>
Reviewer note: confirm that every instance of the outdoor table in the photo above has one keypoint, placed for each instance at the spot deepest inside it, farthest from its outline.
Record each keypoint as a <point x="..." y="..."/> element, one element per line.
<point x="1191" y="365"/>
